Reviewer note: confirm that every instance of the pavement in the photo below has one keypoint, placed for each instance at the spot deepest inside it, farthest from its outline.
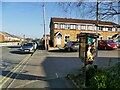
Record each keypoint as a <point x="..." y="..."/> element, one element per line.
<point x="34" y="74"/>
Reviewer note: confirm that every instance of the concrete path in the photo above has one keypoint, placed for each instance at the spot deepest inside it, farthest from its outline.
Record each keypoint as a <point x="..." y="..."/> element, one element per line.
<point x="39" y="72"/>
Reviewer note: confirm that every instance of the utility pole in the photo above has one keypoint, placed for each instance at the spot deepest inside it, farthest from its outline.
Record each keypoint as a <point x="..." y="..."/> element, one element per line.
<point x="97" y="25"/>
<point x="44" y="19"/>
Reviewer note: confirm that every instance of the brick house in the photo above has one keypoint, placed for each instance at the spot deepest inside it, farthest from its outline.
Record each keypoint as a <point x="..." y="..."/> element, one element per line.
<point x="63" y="30"/>
<point x="2" y="37"/>
<point x="8" y="37"/>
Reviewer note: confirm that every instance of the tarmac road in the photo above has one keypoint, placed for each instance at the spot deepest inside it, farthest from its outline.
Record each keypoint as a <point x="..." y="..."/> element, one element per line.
<point x="10" y="61"/>
<point x="48" y="69"/>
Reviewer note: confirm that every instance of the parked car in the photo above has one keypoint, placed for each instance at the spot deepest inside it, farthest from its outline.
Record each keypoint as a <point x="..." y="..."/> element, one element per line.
<point x="72" y="46"/>
<point x="27" y="47"/>
<point x="35" y="45"/>
<point x="107" y="44"/>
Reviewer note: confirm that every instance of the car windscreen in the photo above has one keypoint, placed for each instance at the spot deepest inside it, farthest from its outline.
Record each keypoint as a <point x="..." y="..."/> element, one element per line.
<point x="109" y="41"/>
<point x="28" y="44"/>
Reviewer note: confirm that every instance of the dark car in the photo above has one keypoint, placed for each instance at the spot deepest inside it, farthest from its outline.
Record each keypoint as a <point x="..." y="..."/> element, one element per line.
<point x="107" y="44"/>
<point x="72" y="46"/>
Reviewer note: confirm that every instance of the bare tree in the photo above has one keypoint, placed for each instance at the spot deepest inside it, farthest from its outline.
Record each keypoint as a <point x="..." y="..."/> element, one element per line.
<point x="106" y="9"/>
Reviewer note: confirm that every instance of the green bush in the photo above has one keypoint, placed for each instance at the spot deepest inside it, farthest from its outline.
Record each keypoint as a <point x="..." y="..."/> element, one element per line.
<point x="99" y="81"/>
<point x="114" y="76"/>
<point x="108" y="78"/>
<point x="99" y="78"/>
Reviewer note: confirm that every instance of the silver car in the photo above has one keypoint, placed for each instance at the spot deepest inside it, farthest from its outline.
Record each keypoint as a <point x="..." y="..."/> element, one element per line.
<point x="72" y="46"/>
<point x="27" y="47"/>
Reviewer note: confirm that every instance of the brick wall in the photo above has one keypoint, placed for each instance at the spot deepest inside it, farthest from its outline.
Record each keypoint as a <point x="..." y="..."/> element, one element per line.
<point x="73" y="35"/>
<point x="1" y="38"/>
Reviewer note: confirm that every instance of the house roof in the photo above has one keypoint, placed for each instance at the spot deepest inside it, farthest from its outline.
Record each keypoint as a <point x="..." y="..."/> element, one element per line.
<point x="70" y="20"/>
<point x="57" y="33"/>
<point x="9" y="35"/>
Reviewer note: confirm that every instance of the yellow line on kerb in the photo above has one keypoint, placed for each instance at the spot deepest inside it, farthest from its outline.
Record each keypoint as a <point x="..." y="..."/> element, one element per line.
<point x="6" y="78"/>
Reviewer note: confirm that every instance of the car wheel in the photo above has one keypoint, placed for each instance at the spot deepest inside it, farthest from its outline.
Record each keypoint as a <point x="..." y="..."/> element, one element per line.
<point x="105" y="48"/>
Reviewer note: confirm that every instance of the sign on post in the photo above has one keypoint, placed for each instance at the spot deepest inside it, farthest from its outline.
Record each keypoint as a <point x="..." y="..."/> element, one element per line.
<point x="87" y="48"/>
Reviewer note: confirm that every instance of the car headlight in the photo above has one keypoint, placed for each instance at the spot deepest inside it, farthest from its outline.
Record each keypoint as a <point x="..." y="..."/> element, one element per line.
<point x="21" y="48"/>
<point x="31" y="48"/>
<point x="108" y="44"/>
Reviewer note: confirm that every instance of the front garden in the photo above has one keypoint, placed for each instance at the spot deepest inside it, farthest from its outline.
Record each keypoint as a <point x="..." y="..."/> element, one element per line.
<point x="96" y="78"/>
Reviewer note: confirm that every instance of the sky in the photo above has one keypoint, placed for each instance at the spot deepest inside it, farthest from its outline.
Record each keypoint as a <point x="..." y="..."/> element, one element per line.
<point x="26" y="18"/>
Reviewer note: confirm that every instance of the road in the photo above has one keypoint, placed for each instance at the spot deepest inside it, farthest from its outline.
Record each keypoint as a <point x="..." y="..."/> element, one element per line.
<point x="11" y="57"/>
<point x="48" y="69"/>
<point x="10" y="60"/>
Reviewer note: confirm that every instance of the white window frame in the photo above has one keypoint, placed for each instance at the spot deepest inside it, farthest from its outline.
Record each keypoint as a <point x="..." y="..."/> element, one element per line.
<point x="89" y="27"/>
<point x="83" y="27"/>
<point x="100" y="37"/>
<point x="72" y="26"/>
<point x="79" y="27"/>
<point x="62" y="26"/>
<point x="59" y="26"/>
<point x="65" y="36"/>
<point x="56" y="25"/>
<point x="109" y="30"/>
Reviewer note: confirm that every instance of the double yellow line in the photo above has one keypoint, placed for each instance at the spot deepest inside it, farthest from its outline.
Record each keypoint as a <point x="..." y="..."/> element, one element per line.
<point x="9" y="75"/>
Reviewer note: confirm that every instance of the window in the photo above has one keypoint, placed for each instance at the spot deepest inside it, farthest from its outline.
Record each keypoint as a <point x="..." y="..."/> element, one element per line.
<point x="56" y="25"/>
<point x="100" y="37"/>
<point x="74" y="26"/>
<point x="116" y="29"/>
<point x="89" y="27"/>
<point x="109" y="28"/>
<point x="78" y="27"/>
<point x="101" y="28"/>
<point x="83" y="27"/>
<point x="67" y="38"/>
<point x="67" y="26"/>
<point x="109" y="37"/>
<point x="59" y="26"/>
<point x="62" y="26"/>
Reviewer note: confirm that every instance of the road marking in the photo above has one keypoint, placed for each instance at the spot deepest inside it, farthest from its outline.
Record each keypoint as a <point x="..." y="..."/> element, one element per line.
<point x="6" y="78"/>
<point x="17" y="75"/>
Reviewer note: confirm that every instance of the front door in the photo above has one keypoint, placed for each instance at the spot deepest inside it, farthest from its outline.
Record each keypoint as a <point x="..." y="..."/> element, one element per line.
<point x="58" y="39"/>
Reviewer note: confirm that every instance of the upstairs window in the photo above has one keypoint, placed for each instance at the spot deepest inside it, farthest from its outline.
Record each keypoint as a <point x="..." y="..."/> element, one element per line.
<point x="62" y="26"/>
<point x="101" y="28"/>
<point x="56" y="25"/>
<point x="83" y="27"/>
<point x="59" y="26"/>
<point x="109" y="28"/>
<point x="78" y="27"/>
<point x="67" y="26"/>
<point x="89" y="27"/>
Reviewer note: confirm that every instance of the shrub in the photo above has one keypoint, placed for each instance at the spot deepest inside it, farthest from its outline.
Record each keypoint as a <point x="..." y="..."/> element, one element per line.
<point x="99" y="81"/>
